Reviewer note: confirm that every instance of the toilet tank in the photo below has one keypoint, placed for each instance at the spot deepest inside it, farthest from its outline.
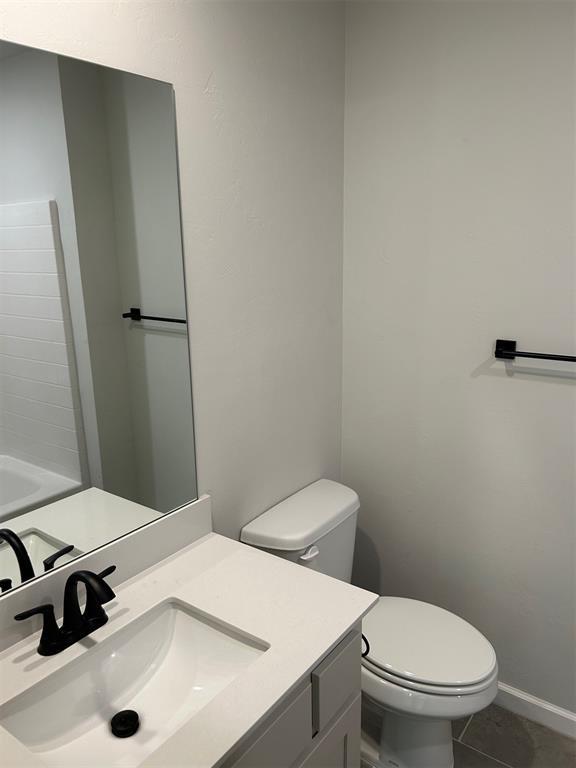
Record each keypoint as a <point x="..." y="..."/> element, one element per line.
<point x="314" y="527"/>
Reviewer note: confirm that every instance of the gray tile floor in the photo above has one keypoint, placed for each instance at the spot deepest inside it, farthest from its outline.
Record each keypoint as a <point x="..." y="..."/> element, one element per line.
<point x="496" y="737"/>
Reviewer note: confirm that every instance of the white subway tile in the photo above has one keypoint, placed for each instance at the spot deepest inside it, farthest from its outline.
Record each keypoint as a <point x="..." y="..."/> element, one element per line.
<point x="36" y="390"/>
<point x="28" y="261"/>
<point x="26" y="238"/>
<point x="32" y="328"/>
<point x="40" y="431"/>
<point x="44" y="307"/>
<point x="37" y="371"/>
<point x="33" y="409"/>
<point x="29" y="285"/>
<point x="37" y="416"/>
<point x="32" y="349"/>
<point x="24" y="214"/>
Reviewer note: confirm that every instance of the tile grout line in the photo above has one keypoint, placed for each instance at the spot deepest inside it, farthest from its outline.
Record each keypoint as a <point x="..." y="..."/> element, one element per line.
<point x="490" y="757"/>
<point x="461" y="736"/>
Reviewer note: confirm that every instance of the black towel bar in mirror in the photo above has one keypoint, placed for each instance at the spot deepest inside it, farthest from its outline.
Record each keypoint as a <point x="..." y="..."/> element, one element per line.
<point x="506" y="350"/>
<point x="135" y="313"/>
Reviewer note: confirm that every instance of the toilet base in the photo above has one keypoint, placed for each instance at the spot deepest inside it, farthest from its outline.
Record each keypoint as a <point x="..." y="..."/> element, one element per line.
<point x="408" y="742"/>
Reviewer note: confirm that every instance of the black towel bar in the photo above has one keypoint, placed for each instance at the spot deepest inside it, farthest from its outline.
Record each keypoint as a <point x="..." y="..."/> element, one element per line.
<point x="136" y="314"/>
<point x="506" y="350"/>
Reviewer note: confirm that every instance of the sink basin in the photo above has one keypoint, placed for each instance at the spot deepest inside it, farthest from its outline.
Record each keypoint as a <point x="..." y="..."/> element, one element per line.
<point x="39" y="546"/>
<point x="166" y="665"/>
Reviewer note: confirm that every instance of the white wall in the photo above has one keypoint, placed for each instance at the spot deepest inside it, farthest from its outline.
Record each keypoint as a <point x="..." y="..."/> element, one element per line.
<point x="459" y="229"/>
<point x="33" y="146"/>
<point x="259" y="107"/>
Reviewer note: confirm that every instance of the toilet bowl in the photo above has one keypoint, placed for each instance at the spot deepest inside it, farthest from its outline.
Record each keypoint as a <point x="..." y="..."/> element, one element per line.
<point x="425" y="666"/>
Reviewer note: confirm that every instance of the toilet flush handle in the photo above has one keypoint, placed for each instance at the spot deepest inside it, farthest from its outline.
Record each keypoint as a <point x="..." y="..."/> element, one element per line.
<point x="310" y="554"/>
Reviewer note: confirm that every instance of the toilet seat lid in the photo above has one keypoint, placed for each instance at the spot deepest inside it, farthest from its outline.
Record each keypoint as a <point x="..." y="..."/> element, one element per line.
<point x="422" y="642"/>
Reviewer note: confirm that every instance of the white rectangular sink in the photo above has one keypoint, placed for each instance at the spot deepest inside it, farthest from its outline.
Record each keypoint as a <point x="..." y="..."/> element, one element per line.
<point x="166" y="665"/>
<point x="39" y="546"/>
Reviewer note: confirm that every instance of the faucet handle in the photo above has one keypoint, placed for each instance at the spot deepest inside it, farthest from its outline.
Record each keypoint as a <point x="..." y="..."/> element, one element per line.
<point x="49" y="561"/>
<point x="44" y="609"/>
<point x="51" y="637"/>
<point x="107" y="571"/>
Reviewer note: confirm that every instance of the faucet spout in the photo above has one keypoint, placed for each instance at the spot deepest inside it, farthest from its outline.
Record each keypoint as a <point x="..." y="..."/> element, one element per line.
<point x="98" y="592"/>
<point x="22" y="556"/>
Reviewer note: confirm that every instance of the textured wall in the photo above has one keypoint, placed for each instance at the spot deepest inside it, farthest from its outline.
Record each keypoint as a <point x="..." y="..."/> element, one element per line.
<point x="259" y="101"/>
<point x="459" y="229"/>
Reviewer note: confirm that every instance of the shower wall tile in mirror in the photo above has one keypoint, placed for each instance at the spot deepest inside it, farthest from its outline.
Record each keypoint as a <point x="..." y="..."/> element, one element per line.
<point x="93" y="405"/>
<point x="39" y="419"/>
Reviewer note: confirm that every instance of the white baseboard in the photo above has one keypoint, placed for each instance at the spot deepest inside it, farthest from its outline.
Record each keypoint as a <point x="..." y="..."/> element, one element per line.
<point x="561" y="720"/>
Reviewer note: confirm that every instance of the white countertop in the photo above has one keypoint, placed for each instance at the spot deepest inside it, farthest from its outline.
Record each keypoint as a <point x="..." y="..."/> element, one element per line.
<point x="301" y="614"/>
<point x="86" y="519"/>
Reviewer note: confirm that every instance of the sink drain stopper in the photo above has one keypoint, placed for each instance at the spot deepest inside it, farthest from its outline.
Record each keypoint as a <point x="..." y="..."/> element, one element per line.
<point x="125" y="723"/>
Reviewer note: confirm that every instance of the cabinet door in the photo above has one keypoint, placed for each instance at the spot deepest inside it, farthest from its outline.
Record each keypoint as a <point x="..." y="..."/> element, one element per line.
<point x="339" y="747"/>
<point x="319" y="722"/>
<point x="280" y="743"/>
<point x="336" y="680"/>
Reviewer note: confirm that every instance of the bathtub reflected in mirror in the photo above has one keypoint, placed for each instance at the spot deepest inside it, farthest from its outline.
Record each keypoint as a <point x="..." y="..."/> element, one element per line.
<point x="24" y="485"/>
<point x="95" y="389"/>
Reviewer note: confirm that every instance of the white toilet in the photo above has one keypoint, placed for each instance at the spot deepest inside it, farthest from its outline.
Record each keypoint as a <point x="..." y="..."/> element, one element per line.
<point x="425" y="666"/>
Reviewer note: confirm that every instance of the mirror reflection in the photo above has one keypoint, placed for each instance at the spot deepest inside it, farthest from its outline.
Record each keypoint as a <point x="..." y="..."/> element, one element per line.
<point x="95" y="394"/>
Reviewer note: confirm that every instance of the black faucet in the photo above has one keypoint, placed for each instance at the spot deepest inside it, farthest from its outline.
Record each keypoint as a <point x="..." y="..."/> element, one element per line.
<point x="80" y="623"/>
<point x="76" y="623"/>
<point x="24" y="562"/>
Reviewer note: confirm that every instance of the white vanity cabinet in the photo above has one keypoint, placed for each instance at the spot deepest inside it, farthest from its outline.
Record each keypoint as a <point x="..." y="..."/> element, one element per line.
<point x="318" y="724"/>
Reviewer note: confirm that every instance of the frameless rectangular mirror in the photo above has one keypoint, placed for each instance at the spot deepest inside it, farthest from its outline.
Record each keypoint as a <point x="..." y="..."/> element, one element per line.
<point x="95" y="392"/>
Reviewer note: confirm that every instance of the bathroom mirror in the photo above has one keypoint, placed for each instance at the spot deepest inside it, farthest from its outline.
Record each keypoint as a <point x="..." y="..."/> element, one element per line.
<point x="95" y="391"/>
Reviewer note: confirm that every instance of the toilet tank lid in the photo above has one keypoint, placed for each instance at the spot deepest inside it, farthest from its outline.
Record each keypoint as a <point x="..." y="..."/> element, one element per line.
<point x="303" y="518"/>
